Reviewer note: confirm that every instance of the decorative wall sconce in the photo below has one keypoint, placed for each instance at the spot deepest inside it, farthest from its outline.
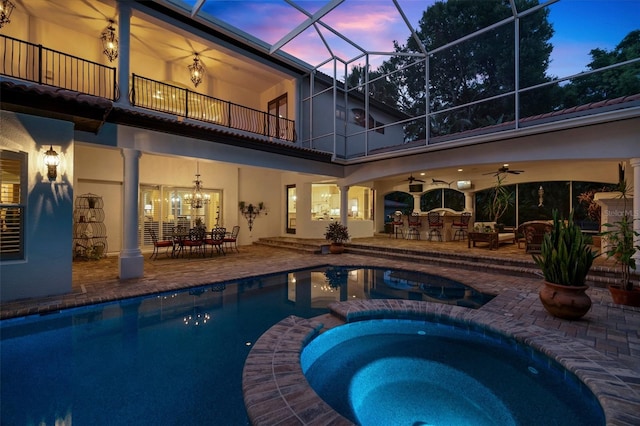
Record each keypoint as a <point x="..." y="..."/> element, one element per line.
<point x="6" y="7"/>
<point x="196" y="70"/>
<point x="51" y="160"/>
<point x="110" y="42"/>
<point x="250" y="212"/>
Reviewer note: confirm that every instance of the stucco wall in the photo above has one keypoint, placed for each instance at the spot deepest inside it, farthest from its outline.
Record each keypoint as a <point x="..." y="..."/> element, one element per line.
<point x="46" y="268"/>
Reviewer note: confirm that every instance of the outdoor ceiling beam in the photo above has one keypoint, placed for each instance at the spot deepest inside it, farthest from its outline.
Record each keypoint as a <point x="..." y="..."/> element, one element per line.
<point x="196" y="7"/>
<point x="306" y="24"/>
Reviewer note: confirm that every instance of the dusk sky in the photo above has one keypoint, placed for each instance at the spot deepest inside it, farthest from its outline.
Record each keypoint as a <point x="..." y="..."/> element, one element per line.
<point x="580" y="25"/>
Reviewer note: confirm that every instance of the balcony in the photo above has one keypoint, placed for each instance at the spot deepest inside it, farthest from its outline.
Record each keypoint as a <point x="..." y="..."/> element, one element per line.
<point x="35" y="63"/>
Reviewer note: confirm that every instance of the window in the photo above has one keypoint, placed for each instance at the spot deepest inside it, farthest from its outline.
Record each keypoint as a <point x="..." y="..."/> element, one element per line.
<point x="325" y="202"/>
<point x="360" y="203"/>
<point x="13" y="184"/>
<point x="359" y="119"/>
<point x="341" y="113"/>
<point x="439" y="198"/>
<point x="291" y="209"/>
<point x="162" y="208"/>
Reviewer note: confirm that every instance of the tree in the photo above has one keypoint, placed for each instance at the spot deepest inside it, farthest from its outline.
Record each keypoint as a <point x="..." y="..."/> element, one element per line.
<point x="477" y="68"/>
<point x="609" y="84"/>
<point x="382" y="86"/>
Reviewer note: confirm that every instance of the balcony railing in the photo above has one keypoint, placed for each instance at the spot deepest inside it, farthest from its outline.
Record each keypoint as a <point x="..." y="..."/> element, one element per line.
<point x="162" y="97"/>
<point x="33" y="62"/>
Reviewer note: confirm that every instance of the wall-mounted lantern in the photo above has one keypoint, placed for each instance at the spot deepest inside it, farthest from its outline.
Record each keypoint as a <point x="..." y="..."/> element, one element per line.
<point x="51" y="160"/>
<point x="6" y="7"/>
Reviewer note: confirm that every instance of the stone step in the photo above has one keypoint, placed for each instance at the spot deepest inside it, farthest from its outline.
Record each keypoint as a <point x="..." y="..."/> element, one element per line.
<point x="599" y="276"/>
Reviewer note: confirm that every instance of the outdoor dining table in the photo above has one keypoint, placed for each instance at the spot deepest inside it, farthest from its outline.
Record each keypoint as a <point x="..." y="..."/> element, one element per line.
<point x="178" y="238"/>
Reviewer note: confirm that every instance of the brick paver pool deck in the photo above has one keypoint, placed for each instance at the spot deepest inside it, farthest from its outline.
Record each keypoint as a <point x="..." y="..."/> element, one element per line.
<point x="603" y="348"/>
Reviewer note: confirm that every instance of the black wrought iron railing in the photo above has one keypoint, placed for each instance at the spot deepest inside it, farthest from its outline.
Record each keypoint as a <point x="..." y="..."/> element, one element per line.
<point x="163" y="97"/>
<point x="33" y="62"/>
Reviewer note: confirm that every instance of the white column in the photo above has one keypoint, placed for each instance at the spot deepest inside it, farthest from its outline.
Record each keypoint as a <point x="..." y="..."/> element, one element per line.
<point x="124" y="36"/>
<point x="416" y="203"/>
<point x="131" y="262"/>
<point x="468" y="201"/>
<point x="344" y="204"/>
<point x="635" y="166"/>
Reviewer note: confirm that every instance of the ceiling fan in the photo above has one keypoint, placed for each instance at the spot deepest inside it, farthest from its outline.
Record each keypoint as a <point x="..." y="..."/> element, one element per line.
<point x="504" y="169"/>
<point x="411" y="179"/>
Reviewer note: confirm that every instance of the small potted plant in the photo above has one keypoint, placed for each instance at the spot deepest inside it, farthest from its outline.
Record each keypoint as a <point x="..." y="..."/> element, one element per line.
<point x="565" y="260"/>
<point x="337" y="234"/>
<point x="619" y="238"/>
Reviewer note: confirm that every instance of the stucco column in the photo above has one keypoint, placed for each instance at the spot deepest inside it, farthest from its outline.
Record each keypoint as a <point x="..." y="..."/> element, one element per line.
<point x="468" y="201"/>
<point x="124" y="36"/>
<point x="416" y="203"/>
<point x="635" y="166"/>
<point x="344" y="204"/>
<point x="131" y="262"/>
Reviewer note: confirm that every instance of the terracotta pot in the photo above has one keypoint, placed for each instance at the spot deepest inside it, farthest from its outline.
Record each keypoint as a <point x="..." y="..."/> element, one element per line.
<point x="566" y="302"/>
<point x="336" y="248"/>
<point x="621" y="296"/>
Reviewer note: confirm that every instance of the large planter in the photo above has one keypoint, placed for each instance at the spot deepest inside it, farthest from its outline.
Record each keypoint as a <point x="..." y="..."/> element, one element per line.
<point x="625" y="297"/>
<point x="566" y="302"/>
<point x="336" y="248"/>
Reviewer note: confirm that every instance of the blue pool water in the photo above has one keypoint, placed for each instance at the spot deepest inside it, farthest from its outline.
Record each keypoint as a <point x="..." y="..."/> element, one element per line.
<point x="404" y="372"/>
<point x="174" y="359"/>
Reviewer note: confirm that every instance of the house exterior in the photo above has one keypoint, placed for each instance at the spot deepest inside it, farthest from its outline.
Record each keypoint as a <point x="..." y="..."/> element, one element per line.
<point x="258" y="129"/>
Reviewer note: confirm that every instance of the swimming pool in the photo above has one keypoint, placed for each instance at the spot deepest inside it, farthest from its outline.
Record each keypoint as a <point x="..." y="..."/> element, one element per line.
<point x="171" y="358"/>
<point x="422" y="373"/>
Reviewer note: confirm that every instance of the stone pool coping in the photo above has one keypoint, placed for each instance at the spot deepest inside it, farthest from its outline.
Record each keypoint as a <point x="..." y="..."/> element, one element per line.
<point x="276" y="391"/>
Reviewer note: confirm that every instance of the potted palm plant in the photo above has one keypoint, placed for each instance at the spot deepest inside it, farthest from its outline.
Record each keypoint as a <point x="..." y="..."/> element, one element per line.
<point x="498" y="203"/>
<point x="337" y="234"/>
<point x="619" y="238"/>
<point x="565" y="260"/>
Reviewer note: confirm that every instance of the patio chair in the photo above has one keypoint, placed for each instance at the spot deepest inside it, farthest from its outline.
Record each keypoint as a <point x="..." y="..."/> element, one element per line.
<point x="414" y="224"/>
<point x="158" y="244"/>
<point x="461" y="225"/>
<point x="436" y="225"/>
<point x="231" y="239"/>
<point x="195" y="241"/>
<point x="398" y="224"/>
<point x="216" y="240"/>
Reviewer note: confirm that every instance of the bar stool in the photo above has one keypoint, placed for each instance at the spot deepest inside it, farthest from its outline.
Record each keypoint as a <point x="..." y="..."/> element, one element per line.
<point x="414" y="226"/>
<point x="398" y="224"/>
<point x="461" y="226"/>
<point x="435" y="225"/>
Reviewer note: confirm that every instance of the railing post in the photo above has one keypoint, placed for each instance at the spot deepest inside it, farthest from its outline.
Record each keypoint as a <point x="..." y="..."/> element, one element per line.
<point x="186" y="103"/>
<point x="265" y="124"/>
<point x="39" y="64"/>
<point x="229" y="114"/>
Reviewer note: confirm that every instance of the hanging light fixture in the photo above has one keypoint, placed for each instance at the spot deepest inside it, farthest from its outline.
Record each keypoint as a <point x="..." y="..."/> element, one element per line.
<point x="197" y="199"/>
<point x="6" y="7"/>
<point x="110" y="42"/>
<point x="196" y="70"/>
<point x="51" y="160"/>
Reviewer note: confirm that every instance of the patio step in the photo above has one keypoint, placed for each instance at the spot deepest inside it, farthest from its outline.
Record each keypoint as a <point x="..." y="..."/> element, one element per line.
<point x="599" y="276"/>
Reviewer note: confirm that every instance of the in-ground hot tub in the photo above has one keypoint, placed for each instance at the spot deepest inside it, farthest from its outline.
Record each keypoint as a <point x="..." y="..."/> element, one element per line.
<point x="417" y="373"/>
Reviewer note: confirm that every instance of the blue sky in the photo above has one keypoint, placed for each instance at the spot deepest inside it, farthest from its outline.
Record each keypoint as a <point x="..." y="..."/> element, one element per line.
<point x="580" y="25"/>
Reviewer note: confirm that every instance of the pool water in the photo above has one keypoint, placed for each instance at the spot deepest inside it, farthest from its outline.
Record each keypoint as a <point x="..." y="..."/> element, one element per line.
<point x="173" y="358"/>
<point x="404" y="372"/>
